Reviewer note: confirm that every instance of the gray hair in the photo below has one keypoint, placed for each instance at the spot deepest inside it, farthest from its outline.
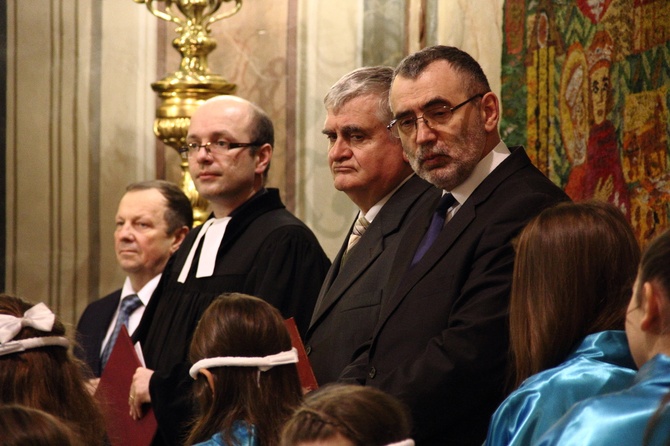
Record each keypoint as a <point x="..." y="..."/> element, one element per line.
<point x="361" y="82"/>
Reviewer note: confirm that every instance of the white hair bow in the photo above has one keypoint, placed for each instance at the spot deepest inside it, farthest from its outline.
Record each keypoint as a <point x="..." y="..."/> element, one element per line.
<point x="39" y="317"/>
<point x="408" y="442"/>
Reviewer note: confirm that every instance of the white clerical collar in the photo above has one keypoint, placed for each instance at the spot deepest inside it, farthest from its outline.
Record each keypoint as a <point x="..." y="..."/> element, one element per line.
<point x="483" y="168"/>
<point x="213" y="231"/>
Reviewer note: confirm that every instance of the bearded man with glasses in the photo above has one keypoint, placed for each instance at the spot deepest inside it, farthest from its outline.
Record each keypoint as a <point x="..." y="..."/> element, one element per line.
<point x="441" y="343"/>
<point x="250" y="244"/>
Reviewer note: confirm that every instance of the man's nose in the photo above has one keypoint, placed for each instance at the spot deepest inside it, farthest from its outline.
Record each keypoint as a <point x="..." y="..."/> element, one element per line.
<point x="203" y="154"/>
<point x="424" y="132"/>
<point x="125" y="231"/>
<point x="339" y="149"/>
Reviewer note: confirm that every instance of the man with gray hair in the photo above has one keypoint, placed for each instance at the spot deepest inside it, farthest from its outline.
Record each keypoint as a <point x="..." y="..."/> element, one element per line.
<point x="367" y="164"/>
<point x="440" y="344"/>
<point x="152" y="220"/>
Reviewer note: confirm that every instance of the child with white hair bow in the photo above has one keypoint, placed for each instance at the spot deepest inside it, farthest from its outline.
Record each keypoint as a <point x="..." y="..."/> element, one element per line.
<point x="38" y="370"/>
<point x="247" y="382"/>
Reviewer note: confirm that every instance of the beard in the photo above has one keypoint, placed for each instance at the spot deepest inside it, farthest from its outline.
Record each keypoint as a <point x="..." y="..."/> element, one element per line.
<point x="448" y="164"/>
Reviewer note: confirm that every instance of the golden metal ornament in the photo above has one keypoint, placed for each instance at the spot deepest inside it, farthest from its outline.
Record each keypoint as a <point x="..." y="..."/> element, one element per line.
<point x="193" y="83"/>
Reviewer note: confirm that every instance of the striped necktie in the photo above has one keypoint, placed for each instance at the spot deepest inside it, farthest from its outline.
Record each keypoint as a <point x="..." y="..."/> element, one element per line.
<point x="129" y="304"/>
<point x="359" y="229"/>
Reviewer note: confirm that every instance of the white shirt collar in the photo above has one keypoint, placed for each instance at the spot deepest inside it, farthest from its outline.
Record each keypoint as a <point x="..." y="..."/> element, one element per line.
<point x="144" y="294"/>
<point x="374" y="210"/>
<point x="483" y="168"/>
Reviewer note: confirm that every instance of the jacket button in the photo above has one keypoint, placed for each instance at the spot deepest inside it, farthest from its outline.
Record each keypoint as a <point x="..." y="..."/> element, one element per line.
<point x="372" y="373"/>
<point x="308" y="349"/>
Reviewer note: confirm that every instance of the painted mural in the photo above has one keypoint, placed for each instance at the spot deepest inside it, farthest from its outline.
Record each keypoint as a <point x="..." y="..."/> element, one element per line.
<point x="585" y="90"/>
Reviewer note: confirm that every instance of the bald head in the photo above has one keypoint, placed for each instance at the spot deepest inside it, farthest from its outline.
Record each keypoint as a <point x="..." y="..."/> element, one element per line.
<point x="232" y="140"/>
<point x="251" y="116"/>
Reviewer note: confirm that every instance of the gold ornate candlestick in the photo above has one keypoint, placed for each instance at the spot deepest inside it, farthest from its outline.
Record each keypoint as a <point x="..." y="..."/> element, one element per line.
<point x="184" y="90"/>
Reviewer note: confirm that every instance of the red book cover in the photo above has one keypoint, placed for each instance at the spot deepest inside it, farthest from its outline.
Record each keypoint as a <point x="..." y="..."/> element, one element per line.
<point x="112" y="394"/>
<point x="305" y="372"/>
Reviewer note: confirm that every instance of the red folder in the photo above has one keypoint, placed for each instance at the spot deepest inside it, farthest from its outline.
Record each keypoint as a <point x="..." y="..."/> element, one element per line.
<point x="305" y="372"/>
<point x="112" y="394"/>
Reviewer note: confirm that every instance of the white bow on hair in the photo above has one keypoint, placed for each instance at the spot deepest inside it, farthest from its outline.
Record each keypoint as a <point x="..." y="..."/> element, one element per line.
<point x="39" y="317"/>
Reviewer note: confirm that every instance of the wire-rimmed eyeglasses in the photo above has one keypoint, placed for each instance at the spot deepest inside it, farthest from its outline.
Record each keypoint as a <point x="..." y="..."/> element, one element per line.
<point x="435" y="115"/>
<point x="221" y="146"/>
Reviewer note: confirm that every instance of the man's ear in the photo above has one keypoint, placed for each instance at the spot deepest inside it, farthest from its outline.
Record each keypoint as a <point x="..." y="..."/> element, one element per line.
<point x="263" y="156"/>
<point x="653" y="306"/>
<point x="179" y="236"/>
<point x="490" y="111"/>
<point x="210" y="378"/>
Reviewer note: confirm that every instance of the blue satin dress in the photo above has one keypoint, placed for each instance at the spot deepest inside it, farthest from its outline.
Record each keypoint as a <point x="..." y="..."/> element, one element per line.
<point x="242" y="436"/>
<point x="601" y="364"/>
<point x="619" y="418"/>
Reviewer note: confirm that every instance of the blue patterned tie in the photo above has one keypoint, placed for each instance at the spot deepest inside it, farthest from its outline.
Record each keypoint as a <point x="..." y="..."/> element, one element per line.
<point x="436" y="225"/>
<point x="128" y="305"/>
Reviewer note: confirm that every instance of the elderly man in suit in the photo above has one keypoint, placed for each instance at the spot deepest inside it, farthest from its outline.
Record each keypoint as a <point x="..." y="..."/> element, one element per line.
<point x="152" y="220"/>
<point x="440" y="344"/>
<point x="368" y="165"/>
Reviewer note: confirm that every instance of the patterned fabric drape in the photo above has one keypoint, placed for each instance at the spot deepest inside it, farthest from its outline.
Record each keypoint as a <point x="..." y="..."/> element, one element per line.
<point x="585" y="89"/>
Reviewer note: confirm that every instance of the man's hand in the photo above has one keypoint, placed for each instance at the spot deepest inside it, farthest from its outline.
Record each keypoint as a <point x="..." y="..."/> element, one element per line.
<point x="139" y="392"/>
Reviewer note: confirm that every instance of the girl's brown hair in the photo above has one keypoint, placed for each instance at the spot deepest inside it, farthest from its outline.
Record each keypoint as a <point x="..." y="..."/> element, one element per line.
<point x="655" y="267"/>
<point x="364" y="415"/>
<point x="48" y="378"/>
<point x="20" y="426"/>
<point x="241" y="325"/>
<point x="573" y="273"/>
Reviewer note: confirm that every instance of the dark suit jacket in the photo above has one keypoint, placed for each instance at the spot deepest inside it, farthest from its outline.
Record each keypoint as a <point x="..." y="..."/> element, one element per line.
<point x="348" y="304"/>
<point x="441" y="342"/>
<point x="92" y="328"/>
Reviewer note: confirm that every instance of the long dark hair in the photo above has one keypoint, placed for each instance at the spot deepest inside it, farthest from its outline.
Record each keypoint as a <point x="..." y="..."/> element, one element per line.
<point x="655" y="267"/>
<point x="574" y="269"/>
<point x="48" y="378"/>
<point x="240" y="325"/>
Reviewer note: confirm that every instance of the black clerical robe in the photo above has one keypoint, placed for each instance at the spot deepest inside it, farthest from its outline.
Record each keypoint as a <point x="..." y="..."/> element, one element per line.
<point x="265" y="252"/>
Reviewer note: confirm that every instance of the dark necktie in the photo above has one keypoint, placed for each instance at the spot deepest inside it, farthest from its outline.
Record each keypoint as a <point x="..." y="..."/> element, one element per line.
<point x="128" y="305"/>
<point x="436" y="225"/>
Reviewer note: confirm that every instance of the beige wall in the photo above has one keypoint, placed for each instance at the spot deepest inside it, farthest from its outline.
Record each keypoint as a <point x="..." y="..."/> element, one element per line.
<point x="80" y="110"/>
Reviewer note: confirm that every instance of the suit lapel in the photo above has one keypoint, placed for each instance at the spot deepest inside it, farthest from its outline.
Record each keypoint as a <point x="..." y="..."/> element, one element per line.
<point x="440" y="248"/>
<point x="371" y="245"/>
<point x="452" y="230"/>
<point x="107" y="316"/>
<point x="321" y="305"/>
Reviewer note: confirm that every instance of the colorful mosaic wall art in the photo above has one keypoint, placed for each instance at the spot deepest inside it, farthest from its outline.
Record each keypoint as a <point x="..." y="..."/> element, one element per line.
<point x="585" y="90"/>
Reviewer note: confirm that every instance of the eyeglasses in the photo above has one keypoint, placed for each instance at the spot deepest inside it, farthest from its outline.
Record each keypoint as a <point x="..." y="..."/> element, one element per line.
<point x="433" y="117"/>
<point x="218" y="147"/>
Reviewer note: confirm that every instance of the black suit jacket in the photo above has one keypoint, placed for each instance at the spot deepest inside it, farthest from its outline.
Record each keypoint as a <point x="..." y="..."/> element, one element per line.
<point x="92" y="328"/>
<point x="348" y="305"/>
<point x="441" y="342"/>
